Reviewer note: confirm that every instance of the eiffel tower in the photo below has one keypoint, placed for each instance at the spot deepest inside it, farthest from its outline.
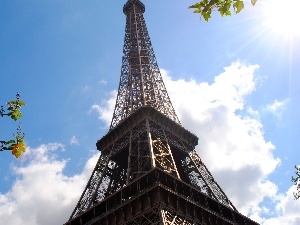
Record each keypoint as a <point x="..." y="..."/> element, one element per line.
<point x="148" y="172"/>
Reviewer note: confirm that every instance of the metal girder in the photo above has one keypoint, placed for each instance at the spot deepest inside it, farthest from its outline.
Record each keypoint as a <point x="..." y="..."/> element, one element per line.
<point x="161" y="216"/>
<point x="92" y="187"/>
<point x="171" y="217"/>
<point x="203" y="176"/>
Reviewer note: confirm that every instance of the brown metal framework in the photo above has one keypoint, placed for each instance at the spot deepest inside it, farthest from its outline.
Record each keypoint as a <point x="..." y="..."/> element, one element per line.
<point x="157" y="198"/>
<point x="148" y="171"/>
<point x="140" y="82"/>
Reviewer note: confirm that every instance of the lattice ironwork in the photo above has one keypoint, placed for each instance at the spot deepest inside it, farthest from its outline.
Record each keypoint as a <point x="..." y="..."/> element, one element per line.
<point x="171" y="217"/>
<point x="201" y="177"/>
<point x="87" y="197"/>
<point x="146" y="146"/>
<point x="159" y="198"/>
<point x="141" y="82"/>
<point x="162" y="215"/>
<point x="148" y="172"/>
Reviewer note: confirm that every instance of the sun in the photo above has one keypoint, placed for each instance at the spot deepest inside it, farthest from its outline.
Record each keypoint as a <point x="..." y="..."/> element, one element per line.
<point x="282" y="16"/>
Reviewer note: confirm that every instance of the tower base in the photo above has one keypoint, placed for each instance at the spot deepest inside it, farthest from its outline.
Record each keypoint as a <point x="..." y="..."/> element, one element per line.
<point x="158" y="198"/>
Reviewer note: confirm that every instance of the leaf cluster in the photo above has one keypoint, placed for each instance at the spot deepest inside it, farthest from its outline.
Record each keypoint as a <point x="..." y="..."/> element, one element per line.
<point x="13" y="110"/>
<point x="296" y="181"/>
<point x="16" y="146"/>
<point x="14" y="107"/>
<point x="205" y="7"/>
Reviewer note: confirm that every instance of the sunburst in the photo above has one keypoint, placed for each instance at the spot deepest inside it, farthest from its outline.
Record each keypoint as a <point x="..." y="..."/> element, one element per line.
<point x="282" y="16"/>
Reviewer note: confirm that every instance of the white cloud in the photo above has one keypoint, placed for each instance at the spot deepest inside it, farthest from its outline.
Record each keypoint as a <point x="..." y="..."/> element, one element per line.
<point x="287" y="209"/>
<point x="42" y="194"/>
<point x="102" y="82"/>
<point x="74" y="141"/>
<point x="277" y="108"/>
<point x="105" y="110"/>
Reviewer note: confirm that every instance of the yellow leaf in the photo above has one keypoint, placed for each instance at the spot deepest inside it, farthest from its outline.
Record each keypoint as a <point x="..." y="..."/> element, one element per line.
<point x="253" y="2"/>
<point x="18" y="149"/>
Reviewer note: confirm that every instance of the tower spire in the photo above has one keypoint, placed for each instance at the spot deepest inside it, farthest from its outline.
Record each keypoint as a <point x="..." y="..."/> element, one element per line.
<point x="141" y="83"/>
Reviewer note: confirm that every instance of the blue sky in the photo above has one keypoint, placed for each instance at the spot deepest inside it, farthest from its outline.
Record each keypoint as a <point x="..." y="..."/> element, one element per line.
<point x="233" y="81"/>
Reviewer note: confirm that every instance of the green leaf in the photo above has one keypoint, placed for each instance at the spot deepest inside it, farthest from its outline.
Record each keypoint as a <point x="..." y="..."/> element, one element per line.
<point x="206" y="16"/>
<point x="228" y="13"/>
<point x="10" y="142"/>
<point x="195" y="6"/>
<point x="205" y="7"/>
<point x="238" y="6"/>
<point x="15" y="115"/>
<point x="224" y="10"/>
<point x="221" y="10"/>
<point x="20" y="103"/>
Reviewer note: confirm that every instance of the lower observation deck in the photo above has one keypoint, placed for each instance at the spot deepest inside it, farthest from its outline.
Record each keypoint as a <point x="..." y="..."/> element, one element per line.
<point x="142" y="201"/>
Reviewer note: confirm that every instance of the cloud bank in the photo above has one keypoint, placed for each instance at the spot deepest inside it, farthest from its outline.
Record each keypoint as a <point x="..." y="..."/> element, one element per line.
<point x="41" y="193"/>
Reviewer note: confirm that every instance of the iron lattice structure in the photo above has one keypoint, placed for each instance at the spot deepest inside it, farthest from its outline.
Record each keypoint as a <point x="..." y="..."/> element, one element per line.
<point x="141" y="82"/>
<point x="148" y="172"/>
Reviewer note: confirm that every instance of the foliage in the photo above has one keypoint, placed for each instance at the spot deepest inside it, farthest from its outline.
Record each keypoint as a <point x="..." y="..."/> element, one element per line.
<point x="296" y="181"/>
<point x="13" y="110"/>
<point x="14" y="107"/>
<point x="17" y="146"/>
<point x="205" y="7"/>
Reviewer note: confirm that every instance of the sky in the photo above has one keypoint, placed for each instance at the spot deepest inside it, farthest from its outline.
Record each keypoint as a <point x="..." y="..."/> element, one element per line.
<point x="233" y="81"/>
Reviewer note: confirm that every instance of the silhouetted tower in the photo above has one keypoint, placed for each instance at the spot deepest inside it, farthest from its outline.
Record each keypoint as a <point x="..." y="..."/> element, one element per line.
<point x="148" y="172"/>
